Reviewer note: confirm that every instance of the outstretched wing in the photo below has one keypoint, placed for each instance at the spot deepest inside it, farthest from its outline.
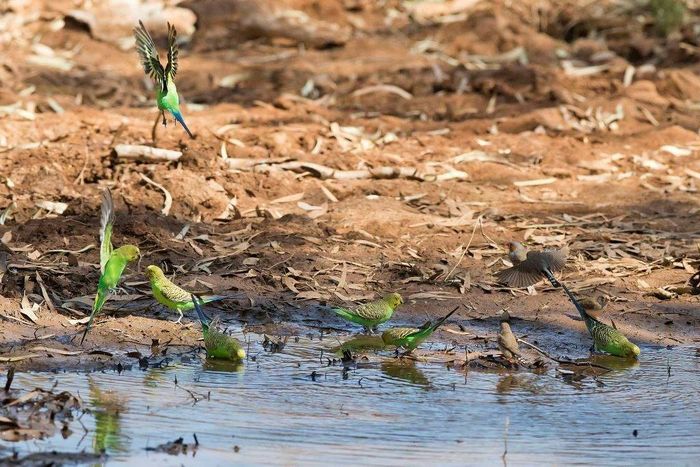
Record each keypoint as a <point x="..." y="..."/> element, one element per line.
<point x="171" y="67"/>
<point x="106" y="223"/>
<point x="149" y="55"/>
<point x="518" y="276"/>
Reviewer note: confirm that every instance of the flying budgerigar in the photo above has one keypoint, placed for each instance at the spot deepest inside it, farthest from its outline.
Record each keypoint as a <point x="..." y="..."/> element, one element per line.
<point x="605" y="338"/>
<point x="170" y="295"/>
<point x="112" y="262"/>
<point x="218" y="344"/>
<point x="530" y="267"/>
<point x="166" y="92"/>
<point x="410" y="338"/>
<point x="372" y="314"/>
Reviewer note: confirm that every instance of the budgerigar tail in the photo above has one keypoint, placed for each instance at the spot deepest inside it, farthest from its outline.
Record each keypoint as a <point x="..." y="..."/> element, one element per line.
<point x="204" y="319"/>
<point x="178" y="117"/>
<point x="100" y="300"/>
<point x="574" y="300"/>
<point x="212" y="298"/>
<point x="87" y="328"/>
<point x="444" y="318"/>
<point x="343" y="313"/>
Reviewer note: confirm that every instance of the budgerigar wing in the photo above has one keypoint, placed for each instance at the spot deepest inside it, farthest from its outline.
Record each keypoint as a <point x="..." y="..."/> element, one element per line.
<point x="106" y="223"/>
<point x="149" y="54"/>
<point x="171" y="67"/>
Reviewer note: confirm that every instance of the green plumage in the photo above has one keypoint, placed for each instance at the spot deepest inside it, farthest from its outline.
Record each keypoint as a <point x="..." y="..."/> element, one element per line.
<point x="170" y="295"/>
<point x="410" y="338"/>
<point x="167" y="98"/>
<point x="218" y="344"/>
<point x="112" y="262"/>
<point x="372" y="314"/>
<point x="605" y="338"/>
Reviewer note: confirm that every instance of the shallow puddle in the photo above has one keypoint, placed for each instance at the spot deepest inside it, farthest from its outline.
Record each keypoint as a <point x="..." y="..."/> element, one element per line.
<point x="290" y="407"/>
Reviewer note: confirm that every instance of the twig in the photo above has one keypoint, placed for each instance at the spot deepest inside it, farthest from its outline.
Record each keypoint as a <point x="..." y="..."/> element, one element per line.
<point x="324" y="172"/>
<point x="564" y="362"/>
<point x="44" y="293"/>
<point x="168" y="198"/>
<point x="505" y="441"/>
<point x="80" y="178"/>
<point x="10" y="377"/>
<point x="146" y="153"/>
<point x="464" y="252"/>
<point x="390" y="88"/>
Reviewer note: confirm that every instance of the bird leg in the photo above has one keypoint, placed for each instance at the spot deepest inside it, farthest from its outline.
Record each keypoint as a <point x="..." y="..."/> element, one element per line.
<point x="179" y="320"/>
<point x="165" y="122"/>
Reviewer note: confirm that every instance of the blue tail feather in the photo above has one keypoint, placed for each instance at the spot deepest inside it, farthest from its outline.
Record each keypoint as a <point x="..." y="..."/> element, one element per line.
<point x="203" y="318"/>
<point x="178" y="117"/>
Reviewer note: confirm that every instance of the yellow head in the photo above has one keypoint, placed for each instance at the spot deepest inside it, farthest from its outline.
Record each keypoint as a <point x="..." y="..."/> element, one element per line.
<point x="154" y="272"/>
<point x="633" y="351"/>
<point x="393" y="300"/>
<point x="241" y="353"/>
<point x="130" y="252"/>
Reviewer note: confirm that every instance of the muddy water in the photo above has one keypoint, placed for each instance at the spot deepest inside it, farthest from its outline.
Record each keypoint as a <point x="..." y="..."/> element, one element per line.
<point x="272" y="411"/>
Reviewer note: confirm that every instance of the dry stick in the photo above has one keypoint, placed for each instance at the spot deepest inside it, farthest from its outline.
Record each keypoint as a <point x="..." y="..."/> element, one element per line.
<point x="324" y="172"/>
<point x="80" y="178"/>
<point x="146" y="153"/>
<point x="10" y="377"/>
<point x="44" y="293"/>
<point x="565" y="362"/>
<point x="154" y="130"/>
<point x="478" y="221"/>
<point x="505" y="441"/>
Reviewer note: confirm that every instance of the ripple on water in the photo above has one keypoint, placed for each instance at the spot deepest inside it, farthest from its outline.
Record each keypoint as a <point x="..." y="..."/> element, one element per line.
<point x="388" y="412"/>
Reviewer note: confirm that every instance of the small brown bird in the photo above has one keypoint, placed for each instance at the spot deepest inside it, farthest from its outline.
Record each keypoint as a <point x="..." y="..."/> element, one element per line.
<point x="507" y="342"/>
<point x="530" y="267"/>
<point x="593" y="305"/>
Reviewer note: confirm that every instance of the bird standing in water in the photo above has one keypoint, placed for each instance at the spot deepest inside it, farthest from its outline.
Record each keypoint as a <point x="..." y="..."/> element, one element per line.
<point x="605" y="338"/>
<point x="166" y="92"/>
<point x="112" y="262"/>
<point x="530" y="267"/>
<point x="218" y="344"/>
<point x="410" y="338"/>
<point x="372" y="314"/>
<point x="507" y="342"/>
<point x="170" y="295"/>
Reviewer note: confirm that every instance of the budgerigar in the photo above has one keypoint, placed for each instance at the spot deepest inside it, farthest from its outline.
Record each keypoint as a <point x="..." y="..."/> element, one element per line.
<point x="166" y="92"/>
<point x="372" y="314"/>
<point x="218" y="344"/>
<point x="530" y="267"/>
<point x="170" y="295"/>
<point x="410" y="338"/>
<point x="605" y="338"/>
<point x="112" y="262"/>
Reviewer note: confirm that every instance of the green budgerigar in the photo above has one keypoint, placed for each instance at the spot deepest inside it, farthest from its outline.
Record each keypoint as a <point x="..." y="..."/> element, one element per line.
<point x="112" y="261"/>
<point x="171" y="295"/>
<point x="605" y="338"/>
<point x="218" y="344"/>
<point x="166" y="92"/>
<point x="410" y="338"/>
<point x="372" y="314"/>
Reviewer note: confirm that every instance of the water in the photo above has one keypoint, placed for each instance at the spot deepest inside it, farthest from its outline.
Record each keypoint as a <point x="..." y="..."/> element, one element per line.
<point x="385" y="412"/>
